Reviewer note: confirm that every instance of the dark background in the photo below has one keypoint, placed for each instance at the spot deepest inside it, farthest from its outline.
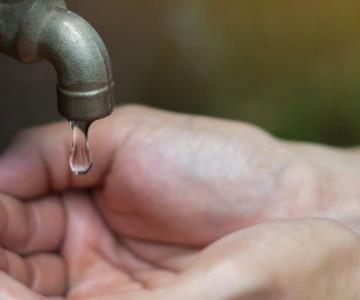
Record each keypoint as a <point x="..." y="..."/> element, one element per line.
<point x="292" y="67"/>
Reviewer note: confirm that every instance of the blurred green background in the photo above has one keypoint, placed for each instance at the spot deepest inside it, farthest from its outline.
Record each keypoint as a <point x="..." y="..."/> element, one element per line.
<point x="291" y="67"/>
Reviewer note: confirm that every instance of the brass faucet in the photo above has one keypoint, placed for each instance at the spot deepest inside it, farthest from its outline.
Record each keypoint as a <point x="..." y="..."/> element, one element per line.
<point x="32" y="30"/>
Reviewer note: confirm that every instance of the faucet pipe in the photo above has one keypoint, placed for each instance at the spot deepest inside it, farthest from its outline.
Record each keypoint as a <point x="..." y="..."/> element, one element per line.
<point x="33" y="30"/>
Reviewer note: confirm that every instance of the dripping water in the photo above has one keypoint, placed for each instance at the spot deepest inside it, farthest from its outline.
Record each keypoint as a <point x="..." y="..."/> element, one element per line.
<point x="80" y="157"/>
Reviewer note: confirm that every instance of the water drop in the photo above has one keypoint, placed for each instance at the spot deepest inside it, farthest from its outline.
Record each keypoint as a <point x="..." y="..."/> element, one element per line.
<point x="80" y="157"/>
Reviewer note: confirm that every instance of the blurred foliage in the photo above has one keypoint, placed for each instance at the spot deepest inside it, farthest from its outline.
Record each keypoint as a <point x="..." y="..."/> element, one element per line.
<point x="292" y="67"/>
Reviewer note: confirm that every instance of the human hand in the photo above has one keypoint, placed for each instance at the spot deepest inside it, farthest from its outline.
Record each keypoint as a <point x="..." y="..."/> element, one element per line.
<point x="313" y="259"/>
<point x="224" y="176"/>
<point x="309" y="259"/>
<point x="185" y="179"/>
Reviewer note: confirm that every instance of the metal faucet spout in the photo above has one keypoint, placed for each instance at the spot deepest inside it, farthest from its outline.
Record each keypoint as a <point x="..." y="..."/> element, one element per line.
<point x="32" y="30"/>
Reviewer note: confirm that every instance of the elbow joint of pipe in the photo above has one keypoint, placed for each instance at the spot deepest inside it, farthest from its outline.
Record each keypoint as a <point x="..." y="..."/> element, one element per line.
<point x="46" y="29"/>
<point x="85" y="84"/>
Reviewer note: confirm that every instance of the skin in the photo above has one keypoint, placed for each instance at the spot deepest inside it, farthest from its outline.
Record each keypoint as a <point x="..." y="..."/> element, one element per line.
<point x="178" y="207"/>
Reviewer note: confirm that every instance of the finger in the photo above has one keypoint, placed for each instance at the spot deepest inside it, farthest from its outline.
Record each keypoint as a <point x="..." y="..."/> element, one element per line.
<point x="11" y="289"/>
<point x="48" y="274"/>
<point x="43" y="273"/>
<point x="32" y="227"/>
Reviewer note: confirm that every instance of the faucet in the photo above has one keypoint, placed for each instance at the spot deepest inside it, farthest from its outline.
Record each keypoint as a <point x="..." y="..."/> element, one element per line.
<point x="33" y="30"/>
